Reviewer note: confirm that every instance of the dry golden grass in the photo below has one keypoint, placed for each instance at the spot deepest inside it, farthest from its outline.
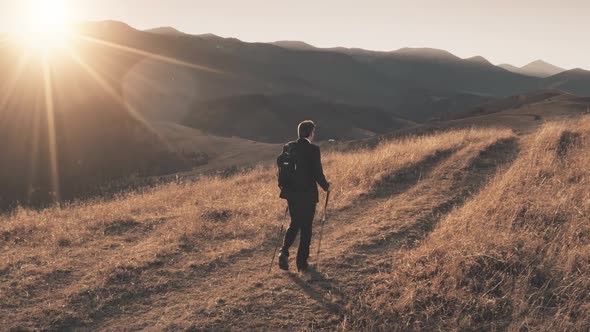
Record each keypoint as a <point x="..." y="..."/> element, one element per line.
<point x="87" y="264"/>
<point x="515" y="257"/>
<point x="356" y="173"/>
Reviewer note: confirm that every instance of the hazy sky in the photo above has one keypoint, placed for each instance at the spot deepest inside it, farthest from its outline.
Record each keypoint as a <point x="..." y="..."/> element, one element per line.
<point x="515" y="31"/>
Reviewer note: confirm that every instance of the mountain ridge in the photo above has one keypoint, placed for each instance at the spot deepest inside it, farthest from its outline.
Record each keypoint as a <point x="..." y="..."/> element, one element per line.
<point x="166" y="31"/>
<point x="537" y="68"/>
<point x="575" y="80"/>
<point x="422" y="51"/>
<point x="294" y="44"/>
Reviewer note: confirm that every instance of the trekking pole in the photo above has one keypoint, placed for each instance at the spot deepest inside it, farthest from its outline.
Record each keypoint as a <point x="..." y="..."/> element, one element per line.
<point x="278" y="239"/>
<point x="322" y="228"/>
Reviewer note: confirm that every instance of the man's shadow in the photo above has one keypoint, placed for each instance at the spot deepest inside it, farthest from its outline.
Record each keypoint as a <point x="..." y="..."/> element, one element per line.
<point x="318" y="293"/>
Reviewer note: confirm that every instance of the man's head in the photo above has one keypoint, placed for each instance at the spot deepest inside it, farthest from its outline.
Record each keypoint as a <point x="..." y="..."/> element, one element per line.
<point x="306" y="129"/>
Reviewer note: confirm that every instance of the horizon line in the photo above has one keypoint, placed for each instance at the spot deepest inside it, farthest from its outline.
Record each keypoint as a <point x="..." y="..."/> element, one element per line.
<point x="323" y="47"/>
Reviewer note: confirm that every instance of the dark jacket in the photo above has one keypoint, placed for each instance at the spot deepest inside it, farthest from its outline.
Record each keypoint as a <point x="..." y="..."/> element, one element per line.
<point x="309" y="172"/>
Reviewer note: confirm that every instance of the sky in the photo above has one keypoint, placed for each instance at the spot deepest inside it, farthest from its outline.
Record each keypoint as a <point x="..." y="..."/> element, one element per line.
<point x="503" y="31"/>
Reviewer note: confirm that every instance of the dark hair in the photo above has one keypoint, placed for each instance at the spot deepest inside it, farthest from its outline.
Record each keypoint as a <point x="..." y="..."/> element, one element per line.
<point x="305" y="128"/>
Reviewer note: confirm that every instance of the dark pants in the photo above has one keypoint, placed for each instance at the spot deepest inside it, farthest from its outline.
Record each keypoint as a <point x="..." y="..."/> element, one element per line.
<point x="302" y="211"/>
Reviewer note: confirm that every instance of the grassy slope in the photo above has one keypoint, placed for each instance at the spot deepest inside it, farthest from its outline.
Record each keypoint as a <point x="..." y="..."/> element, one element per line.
<point x="223" y="152"/>
<point x="412" y="242"/>
<point x="514" y="257"/>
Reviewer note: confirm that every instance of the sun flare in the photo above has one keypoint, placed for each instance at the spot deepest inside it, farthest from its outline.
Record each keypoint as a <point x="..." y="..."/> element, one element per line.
<point x="44" y="25"/>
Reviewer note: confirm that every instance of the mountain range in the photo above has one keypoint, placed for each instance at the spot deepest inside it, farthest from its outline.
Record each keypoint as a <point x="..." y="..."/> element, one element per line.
<point x="538" y="68"/>
<point x="123" y="83"/>
<point x="396" y="81"/>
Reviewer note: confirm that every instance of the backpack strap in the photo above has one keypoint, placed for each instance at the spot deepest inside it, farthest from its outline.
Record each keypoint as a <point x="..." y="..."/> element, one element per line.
<point x="290" y="146"/>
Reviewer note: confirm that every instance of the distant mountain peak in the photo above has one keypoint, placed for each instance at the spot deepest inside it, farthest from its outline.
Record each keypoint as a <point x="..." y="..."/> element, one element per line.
<point x="539" y="62"/>
<point x="209" y="36"/>
<point x="169" y="31"/>
<point x="479" y="59"/>
<point x="542" y="66"/>
<point x="537" y="68"/>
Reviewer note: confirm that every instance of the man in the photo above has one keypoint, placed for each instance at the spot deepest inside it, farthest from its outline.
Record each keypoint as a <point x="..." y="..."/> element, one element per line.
<point x="303" y="196"/>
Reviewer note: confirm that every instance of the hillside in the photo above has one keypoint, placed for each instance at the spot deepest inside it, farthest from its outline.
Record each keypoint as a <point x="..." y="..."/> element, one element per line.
<point x="445" y="72"/>
<point x="271" y="118"/>
<point x="398" y="81"/>
<point x="475" y="229"/>
<point x="65" y="130"/>
<point x="522" y="113"/>
<point x="170" y="31"/>
<point x="538" y="68"/>
<point x="576" y="81"/>
<point x="438" y="70"/>
<point x="509" y="67"/>
<point x="222" y="152"/>
<point x="232" y="67"/>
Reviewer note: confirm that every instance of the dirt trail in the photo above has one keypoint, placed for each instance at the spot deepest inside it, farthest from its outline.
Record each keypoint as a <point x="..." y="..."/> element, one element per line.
<point x="180" y="290"/>
<point x="236" y="293"/>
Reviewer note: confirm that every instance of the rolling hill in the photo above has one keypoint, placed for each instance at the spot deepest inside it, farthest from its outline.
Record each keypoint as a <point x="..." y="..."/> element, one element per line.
<point x="66" y="132"/>
<point x="576" y="81"/>
<point x="523" y="114"/>
<point x="224" y="154"/>
<point x="509" y="67"/>
<point x="271" y="119"/>
<point x="440" y="71"/>
<point x="398" y="81"/>
<point x="474" y="229"/>
<point x="538" y="68"/>
<point x="168" y="31"/>
<point x="237" y="68"/>
<point x="393" y="81"/>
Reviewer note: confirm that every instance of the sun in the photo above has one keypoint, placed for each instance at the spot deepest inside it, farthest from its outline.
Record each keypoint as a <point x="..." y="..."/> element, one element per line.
<point x="44" y="25"/>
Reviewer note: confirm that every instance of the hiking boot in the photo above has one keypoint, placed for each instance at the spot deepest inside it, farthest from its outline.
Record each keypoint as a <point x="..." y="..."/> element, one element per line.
<point x="284" y="261"/>
<point x="302" y="267"/>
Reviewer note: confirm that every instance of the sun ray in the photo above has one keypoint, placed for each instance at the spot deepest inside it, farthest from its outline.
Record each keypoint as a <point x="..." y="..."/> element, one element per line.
<point x="113" y="93"/>
<point x="49" y="108"/>
<point x="34" y="155"/>
<point x="10" y="84"/>
<point x="153" y="56"/>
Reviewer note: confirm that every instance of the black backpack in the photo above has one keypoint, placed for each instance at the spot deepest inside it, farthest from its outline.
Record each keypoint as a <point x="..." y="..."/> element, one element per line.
<point x="287" y="165"/>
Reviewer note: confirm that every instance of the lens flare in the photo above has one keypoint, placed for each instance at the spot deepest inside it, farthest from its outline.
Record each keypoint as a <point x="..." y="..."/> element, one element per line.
<point x="44" y="25"/>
